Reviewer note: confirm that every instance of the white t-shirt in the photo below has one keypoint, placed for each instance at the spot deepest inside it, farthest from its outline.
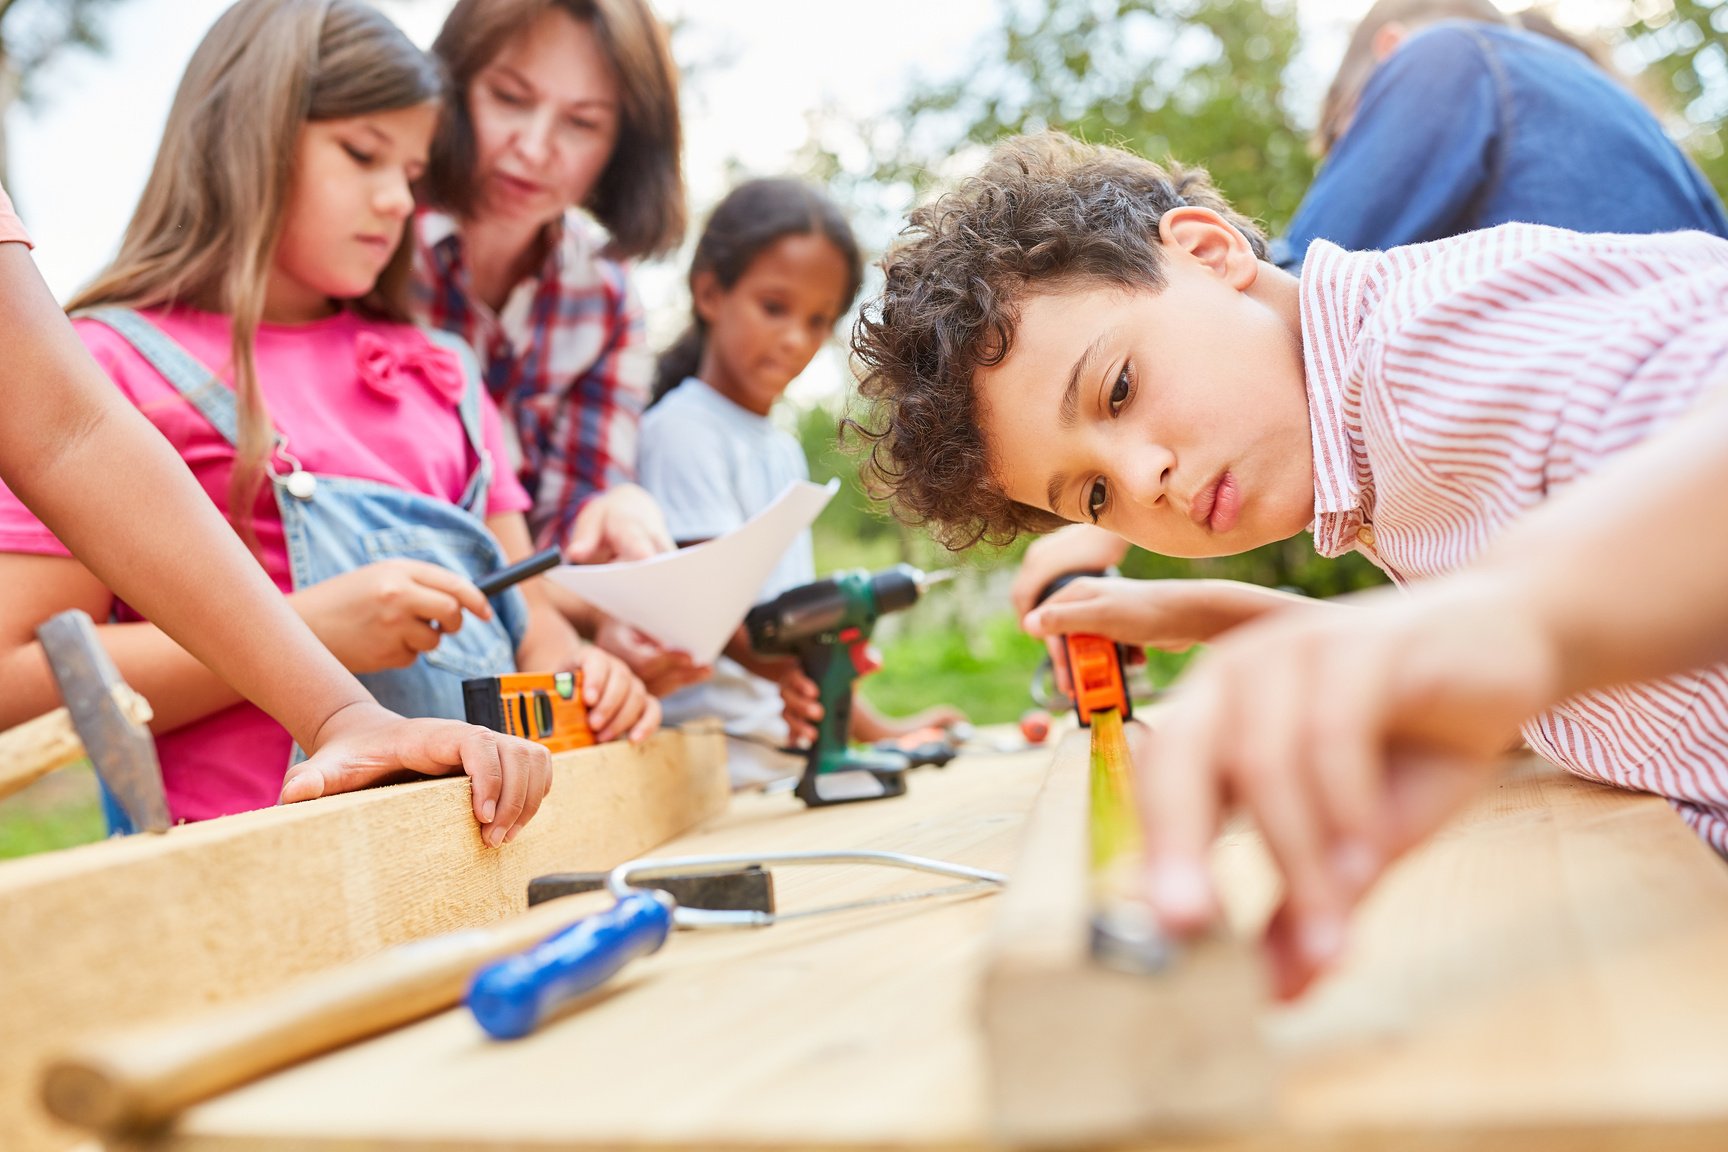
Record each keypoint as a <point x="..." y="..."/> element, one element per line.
<point x="712" y="465"/>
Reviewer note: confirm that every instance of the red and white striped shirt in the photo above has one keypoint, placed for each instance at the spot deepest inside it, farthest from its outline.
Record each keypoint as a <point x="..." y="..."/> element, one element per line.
<point x="1454" y="385"/>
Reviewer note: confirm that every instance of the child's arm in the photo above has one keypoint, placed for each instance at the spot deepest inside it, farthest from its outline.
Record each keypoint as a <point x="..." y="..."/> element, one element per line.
<point x="618" y="703"/>
<point x="107" y="484"/>
<point x="869" y="725"/>
<point x="1350" y="737"/>
<point x="1173" y="615"/>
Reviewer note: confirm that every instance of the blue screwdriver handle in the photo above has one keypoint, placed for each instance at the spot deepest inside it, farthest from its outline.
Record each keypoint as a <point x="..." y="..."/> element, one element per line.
<point x="512" y="996"/>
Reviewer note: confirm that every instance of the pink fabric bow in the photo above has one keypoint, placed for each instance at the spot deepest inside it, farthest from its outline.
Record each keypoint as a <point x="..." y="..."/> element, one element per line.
<point x="383" y="366"/>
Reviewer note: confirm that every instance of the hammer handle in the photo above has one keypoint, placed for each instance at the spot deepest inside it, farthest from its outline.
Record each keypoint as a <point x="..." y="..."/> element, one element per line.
<point x="145" y="1076"/>
<point x="37" y="747"/>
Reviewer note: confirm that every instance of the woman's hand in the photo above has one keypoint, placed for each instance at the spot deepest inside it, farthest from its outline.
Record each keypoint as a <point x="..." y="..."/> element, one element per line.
<point x="385" y="614"/>
<point x="621" y="523"/>
<point x="365" y="744"/>
<point x="1349" y="736"/>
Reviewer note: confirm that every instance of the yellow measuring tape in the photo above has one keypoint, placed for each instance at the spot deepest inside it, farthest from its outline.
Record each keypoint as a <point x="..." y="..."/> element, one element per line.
<point x="1125" y="935"/>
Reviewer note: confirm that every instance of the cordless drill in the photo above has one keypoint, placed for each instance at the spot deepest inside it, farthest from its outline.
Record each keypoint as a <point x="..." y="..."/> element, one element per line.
<point x="827" y="626"/>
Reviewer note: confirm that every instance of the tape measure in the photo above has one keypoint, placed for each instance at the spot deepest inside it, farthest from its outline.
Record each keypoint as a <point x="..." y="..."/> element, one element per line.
<point x="545" y="707"/>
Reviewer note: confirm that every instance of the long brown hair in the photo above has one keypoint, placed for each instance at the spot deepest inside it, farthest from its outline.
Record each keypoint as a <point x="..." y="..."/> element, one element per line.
<point x="640" y="194"/>
<point x="205" y="231"/>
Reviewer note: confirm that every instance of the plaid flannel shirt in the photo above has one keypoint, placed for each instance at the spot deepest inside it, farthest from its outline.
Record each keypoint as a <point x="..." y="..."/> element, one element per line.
<point x="566" y="359"/>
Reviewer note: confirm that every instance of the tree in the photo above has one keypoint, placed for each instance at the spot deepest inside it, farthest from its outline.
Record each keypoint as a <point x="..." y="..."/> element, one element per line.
<point x="1684" y="45"/>
<point x="33" y="32"/>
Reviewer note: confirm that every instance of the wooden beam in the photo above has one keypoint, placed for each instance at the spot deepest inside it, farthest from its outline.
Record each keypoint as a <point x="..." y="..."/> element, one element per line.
<point x="138" y="929"/>
<point x="1078" y="1054"/>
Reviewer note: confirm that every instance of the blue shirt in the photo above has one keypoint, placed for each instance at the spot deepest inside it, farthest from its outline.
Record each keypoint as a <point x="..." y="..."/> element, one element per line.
<point x="1469" y="125"/>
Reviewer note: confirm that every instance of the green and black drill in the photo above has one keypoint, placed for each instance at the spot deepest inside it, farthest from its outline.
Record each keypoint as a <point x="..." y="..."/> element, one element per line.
<point x="827" y="626"/>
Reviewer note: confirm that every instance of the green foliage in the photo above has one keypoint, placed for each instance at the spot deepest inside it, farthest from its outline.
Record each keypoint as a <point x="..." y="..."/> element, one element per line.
<point x="1684" y="45"/>
<point x="60" y="811"/>
<point x="32" y="32"/>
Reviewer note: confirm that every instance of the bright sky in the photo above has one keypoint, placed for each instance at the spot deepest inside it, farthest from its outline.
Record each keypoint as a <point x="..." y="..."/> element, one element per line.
<point x="79" y="160"/>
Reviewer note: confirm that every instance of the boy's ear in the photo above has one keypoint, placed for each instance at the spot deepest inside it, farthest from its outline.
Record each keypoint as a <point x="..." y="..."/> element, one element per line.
<point x="1213" y="241"/>
<point x="706" y="291"/>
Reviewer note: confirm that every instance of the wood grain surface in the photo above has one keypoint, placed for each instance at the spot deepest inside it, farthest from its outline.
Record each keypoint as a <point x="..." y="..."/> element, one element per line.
<point x="135" y="929"/>
<point x="1547" y="974"/>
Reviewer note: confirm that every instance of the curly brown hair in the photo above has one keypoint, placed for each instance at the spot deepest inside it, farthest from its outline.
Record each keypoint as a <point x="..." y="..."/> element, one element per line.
<point x="1045" y="212"/>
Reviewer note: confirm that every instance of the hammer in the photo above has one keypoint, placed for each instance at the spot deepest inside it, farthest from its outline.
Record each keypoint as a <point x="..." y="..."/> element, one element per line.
<point x="103" y="719"/>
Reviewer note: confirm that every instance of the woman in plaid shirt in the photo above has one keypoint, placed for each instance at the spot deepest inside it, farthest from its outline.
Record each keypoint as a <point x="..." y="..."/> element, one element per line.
<point x="556" y="165"/>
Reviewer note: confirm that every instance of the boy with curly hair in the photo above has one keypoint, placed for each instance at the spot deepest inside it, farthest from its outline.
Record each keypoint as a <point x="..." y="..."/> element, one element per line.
<point x="1525" y="421"/>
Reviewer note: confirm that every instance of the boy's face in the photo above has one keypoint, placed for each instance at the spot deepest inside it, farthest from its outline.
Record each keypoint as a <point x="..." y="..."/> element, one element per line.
<point x="1177" y="419"/>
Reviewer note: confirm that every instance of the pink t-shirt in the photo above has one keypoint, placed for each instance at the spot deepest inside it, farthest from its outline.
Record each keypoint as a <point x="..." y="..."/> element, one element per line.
<point x="355" y="398"/>
<point x="11" y="228"/>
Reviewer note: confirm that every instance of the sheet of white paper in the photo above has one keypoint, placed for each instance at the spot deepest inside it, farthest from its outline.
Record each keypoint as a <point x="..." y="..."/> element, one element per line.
<point x="696" y="597"/>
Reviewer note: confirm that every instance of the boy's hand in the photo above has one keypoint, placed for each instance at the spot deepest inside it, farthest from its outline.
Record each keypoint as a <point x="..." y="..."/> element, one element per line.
<point x="621" y="523"/>
<point x="383" y="615"/>
<point x="365" y="744"/>
<point x="662" y="671"/>
<point x="801" y="705"/>
<point x="1076" y="548"/>
<point x="1348" y="737"/>
<point x="618" y="703"/>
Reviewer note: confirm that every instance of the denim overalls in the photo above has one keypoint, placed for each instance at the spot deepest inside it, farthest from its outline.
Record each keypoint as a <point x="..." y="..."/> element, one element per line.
<point x="334" y="524"/>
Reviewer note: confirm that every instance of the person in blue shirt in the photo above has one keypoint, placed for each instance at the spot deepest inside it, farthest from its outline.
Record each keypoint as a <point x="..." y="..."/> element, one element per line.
<point x="1444" y="118"/>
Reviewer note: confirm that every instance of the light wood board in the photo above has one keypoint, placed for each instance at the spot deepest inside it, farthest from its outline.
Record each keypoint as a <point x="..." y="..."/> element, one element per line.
<point x="134" y="929"/>
<point x="1548" y="974"/>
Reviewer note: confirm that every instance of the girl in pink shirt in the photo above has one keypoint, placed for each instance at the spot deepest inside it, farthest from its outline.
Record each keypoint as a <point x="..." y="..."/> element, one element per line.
<point x="254" y="314"/>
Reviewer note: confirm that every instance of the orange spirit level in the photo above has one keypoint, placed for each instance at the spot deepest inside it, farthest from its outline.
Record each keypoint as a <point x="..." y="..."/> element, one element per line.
<point x="545" y="707"/>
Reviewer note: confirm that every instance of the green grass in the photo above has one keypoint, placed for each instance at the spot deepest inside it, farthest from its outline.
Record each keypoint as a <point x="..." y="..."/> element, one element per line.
<point x="58" y="811"/>
<point x="985" y="675"/>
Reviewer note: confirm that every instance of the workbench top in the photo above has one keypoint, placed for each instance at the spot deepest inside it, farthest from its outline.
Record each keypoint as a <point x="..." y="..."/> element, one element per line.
<point x="1551" y="972"/>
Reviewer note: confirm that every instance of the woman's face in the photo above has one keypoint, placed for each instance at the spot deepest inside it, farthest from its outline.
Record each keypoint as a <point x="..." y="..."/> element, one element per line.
<point x="545" y="113"/>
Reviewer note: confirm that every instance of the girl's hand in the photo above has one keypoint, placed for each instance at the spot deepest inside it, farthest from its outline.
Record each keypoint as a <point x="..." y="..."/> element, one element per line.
<point x="364" y="744"/>
<point x="1349" y="736"/>
<point x="801" y="705"/>
<point x="621" y="523"/>
<point x="618" y="702"/>
<point x="662" y="670"/>
<point x="383" y="614"/>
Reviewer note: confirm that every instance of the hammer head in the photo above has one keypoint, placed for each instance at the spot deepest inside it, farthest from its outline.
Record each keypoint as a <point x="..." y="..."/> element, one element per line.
<point x="120" y="747"/>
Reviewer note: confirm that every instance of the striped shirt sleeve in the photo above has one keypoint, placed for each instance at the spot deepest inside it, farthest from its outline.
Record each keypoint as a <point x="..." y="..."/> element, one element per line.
<point x="1458" y="384"/>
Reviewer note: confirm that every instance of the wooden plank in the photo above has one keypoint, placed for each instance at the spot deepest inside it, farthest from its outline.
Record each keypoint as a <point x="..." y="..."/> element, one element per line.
<point x="135" y="929"/>
<point x="1544" y="975"/>
<point x="850" y="1029"/>
<point x="1079" y="1054"/>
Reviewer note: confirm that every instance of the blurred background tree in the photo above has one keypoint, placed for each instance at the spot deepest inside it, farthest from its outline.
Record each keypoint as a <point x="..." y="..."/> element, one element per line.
<point x="33" y="32"/>
<point x="1681" y="46"/>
